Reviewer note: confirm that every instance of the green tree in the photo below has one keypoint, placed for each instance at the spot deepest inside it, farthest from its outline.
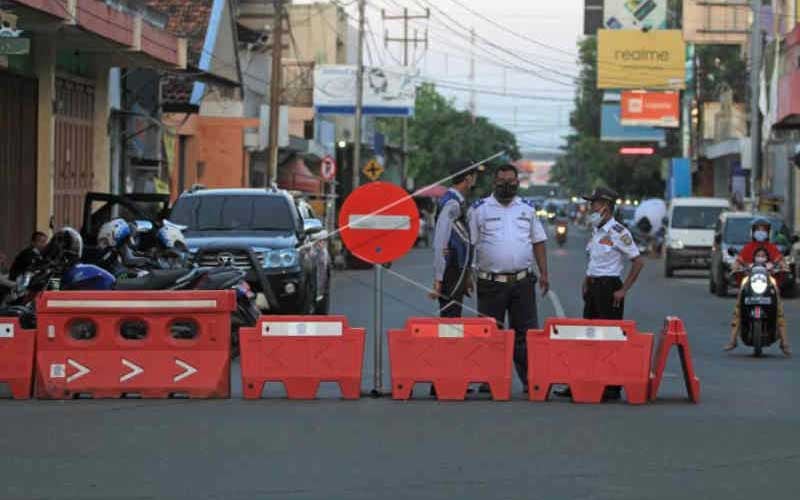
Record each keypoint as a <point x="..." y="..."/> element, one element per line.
<point x="439" y="133"/>
<point x="589" y="162"/>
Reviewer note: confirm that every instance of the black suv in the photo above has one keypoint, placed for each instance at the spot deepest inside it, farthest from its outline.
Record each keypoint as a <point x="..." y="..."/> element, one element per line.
<point x="262" y="232"/>
<point x="731" y="233"/>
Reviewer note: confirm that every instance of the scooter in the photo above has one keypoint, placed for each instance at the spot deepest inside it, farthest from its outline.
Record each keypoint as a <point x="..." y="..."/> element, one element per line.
<point x="758" y="308"/>
<point x="561" y="233"/>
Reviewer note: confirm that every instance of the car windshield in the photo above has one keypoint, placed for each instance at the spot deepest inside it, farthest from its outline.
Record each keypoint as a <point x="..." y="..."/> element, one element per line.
<point x="738" y="231"/>
<point x="210" y="213"/>
<point x="695" y="217"/>
<point x="627" y="212"/>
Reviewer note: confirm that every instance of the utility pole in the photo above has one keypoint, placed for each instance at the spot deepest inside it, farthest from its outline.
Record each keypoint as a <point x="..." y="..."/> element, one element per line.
<point x="755" y="75"/>
<point x="275" y="93"/>
<point x="472" y="106"/>
<point x="359" y="97"/>
<point x="405" y="41"/>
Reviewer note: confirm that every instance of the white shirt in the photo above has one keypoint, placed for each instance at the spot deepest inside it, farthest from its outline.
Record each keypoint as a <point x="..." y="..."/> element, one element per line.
<point x="504" y="236"/>
<point x="610" y="245"/>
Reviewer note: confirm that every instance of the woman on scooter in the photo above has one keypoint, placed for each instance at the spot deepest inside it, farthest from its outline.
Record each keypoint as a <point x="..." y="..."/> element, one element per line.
<point x="761" y="257"/>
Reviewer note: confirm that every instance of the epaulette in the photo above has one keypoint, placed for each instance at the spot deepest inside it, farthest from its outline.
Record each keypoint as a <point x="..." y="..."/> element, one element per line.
<point x="528" y="202"/>
<point x="619" y="228"/>
<point x="478" y="203"/>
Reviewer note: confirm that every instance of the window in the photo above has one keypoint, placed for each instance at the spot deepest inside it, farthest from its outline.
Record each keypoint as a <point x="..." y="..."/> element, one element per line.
<point x="695" y="217"/>
<point x="231" y="212"/>
<point x="738" y="231"/>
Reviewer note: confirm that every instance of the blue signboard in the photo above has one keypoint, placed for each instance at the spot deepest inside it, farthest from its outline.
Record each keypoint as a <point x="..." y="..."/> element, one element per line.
<point x="612" y="130"/>
<point x="680" y="178"/>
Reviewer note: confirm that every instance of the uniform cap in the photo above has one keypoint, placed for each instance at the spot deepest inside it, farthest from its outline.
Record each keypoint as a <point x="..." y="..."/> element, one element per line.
<point x="602" y="193"/>
<point x="456" y="167"/>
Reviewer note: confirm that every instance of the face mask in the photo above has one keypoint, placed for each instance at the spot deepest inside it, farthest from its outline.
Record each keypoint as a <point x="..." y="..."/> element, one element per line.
<point x="595" y="218"/>
<point x="760" y="235"/>
<point x="505" y="190"/>
<point x="761" y="260"/>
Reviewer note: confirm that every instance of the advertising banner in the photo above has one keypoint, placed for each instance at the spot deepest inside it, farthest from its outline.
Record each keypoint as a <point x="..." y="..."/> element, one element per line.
<point x="633" y="59"/>
<point x="612" y="129"/>
<point x="651" y="109"/>
<point x="387" y="91"/>
<point x="635" y="14"/>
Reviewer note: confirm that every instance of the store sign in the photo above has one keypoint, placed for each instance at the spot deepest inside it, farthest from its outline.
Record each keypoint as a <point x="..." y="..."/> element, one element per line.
<point x="650" y="109"/>
<point x="635" y="14"/>
<point x="612" y="129"/>
<point x="386" y="91"/>
<point x="634" y="59"/>
<point x="14" y="46"/>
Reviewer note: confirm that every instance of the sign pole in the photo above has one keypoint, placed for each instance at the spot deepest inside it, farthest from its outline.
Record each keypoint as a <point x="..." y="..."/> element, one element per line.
<point x="377" y="379"/>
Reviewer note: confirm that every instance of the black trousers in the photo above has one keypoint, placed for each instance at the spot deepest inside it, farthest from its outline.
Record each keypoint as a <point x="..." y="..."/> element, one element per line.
<point x="519" y="301"/>
<point x="598" y="303"/>
<point x="450" y="305"/>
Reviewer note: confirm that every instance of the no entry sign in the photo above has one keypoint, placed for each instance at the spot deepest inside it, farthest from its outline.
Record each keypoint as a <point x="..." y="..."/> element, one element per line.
<point x="379" y="222"/>
<point x="328" y="168"/>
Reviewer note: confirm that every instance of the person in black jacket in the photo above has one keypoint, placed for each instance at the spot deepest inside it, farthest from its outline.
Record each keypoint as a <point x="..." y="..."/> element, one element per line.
<point x="25" y="258"/>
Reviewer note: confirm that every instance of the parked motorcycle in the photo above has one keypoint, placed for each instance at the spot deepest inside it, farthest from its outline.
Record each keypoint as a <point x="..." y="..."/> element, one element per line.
<point x="758" y="306"/>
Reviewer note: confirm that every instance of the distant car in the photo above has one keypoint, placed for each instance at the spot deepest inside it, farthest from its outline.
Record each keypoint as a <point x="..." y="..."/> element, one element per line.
<point x="625" y="215"/>
<point x="690" y="232"/>
<point x="267" y="233"/>
<point x="731" y="233"/>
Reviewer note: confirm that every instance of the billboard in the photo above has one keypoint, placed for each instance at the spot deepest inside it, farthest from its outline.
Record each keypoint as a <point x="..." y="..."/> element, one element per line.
<point x="635" y="14"/>
<point x="387" y="91"/>
<point x="651" y="109"/>
<point x="592" y="16"/>
<point x="633" y="59"/>
<point x="612" y="129"/>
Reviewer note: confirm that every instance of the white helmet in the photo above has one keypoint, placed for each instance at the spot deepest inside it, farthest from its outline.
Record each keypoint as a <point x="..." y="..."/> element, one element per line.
<point x="113" y="233"/>
<point x="170" y="236"/>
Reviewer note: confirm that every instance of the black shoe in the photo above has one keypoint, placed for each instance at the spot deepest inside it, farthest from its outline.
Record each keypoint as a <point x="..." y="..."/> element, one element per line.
<point x="563" y="393"/>
<point x="525" y="389"/>
<point x="433" y="391"/>
<point x="484" y="389"/>
<point x="612" y="393"/>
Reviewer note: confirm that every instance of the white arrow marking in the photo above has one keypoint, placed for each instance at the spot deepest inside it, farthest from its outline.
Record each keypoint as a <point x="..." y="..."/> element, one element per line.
<point x="189" y="370"/>
<point x="135" y="370"/>
<point x="82" y="370"/>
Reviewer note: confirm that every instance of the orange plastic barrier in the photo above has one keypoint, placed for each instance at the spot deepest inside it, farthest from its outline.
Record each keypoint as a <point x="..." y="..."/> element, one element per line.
<point x="301" y="352"/>
<point x="589" y="355"/>
<point x="16" y="357"/>
<point x="451" y="353"/>
<point x="674" y="334"/>
<point x="153" y="344"/>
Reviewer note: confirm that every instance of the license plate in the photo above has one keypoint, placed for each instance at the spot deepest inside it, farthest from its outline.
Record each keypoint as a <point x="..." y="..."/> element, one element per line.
<point x="757" y="301"/>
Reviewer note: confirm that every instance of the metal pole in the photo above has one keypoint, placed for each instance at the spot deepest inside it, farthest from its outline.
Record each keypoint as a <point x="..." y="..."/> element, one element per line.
<point x="377" y="378"/>
<point x="275" y="93"/>
<point x="755" y="74"/>
<point x="404" y="169"/>
<point x="359" y="97"/>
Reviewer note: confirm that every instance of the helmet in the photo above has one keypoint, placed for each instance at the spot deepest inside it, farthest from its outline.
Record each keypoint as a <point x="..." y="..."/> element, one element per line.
<point x="761" y="221"/>
<point x="66" y="243"/>
<point x="757" y="223"/>
<point x="113" y="233"/>
<point x="170" y="236"/>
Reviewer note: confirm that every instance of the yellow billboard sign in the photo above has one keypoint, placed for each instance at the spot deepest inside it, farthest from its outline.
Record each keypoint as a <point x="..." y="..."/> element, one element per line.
<point x="634" y="59"/>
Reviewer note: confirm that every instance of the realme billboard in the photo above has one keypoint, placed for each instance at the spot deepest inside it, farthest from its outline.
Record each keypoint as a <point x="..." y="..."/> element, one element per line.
<point x="634" y="59"/>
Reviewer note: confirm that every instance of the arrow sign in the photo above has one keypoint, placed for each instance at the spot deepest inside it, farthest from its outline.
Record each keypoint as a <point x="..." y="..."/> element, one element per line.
<point x="135" y="370"/>
<point x="188" y="370"/>
<point x="82" y="370"/>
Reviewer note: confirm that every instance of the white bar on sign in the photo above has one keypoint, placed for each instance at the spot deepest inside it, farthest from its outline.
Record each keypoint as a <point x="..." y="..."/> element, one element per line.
<point x="131" y="304"/>
<point x="451" y="331"/>
<point x="387" y="222"/>
<point x="6" y="330"/>
<point x="581" y="332"/>
<point x="301" y="329"/>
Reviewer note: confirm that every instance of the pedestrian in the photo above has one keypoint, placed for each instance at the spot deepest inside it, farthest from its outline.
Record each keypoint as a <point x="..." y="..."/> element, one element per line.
<point x="608" y="249"/>
<point x="26" y="257"/>
<point x="451" y="242"/>
<point x="508" y="239"/>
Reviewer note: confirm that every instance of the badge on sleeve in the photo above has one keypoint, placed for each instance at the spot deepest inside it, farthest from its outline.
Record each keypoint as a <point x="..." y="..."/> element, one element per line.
<point x="626" y="238"/>
<point x="606" y="241"/>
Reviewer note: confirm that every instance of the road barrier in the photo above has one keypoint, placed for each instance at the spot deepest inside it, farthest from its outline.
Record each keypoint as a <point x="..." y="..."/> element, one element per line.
<point x="301" y="352"/>
<point x="589" y="355"/>
<point x="150" y="344"/>
<point x="17" y="348"/>
<point x="451" y="353"/>
<point x="674" y="334"/>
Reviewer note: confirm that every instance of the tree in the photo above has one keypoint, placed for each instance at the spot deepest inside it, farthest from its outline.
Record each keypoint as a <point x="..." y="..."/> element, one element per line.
<point x="439" y="133"/>
<point x="589" y="162"/>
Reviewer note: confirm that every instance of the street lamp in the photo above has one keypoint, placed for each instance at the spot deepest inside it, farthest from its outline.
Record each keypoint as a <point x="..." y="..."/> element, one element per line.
<point x="342" y="144"/>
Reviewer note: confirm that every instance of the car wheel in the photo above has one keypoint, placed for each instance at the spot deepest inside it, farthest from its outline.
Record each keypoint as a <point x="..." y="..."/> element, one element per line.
<point x="669" y="272"/>
<point x="789" y="291"/>
<point x="712" y="286"/>
<point x="722" y="286"/>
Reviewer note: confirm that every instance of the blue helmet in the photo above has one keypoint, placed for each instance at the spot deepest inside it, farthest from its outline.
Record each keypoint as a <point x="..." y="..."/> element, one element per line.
<point x="114" y="233"/>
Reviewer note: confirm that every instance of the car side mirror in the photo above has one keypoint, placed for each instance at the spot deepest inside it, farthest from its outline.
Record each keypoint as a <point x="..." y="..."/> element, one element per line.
<point x="312" y="226"/>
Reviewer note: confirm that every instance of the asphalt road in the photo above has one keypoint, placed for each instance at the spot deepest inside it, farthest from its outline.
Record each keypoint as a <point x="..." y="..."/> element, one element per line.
<point x="741" y="441"/>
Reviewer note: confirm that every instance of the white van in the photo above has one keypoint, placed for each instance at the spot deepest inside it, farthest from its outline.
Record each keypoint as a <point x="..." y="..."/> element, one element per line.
<point x="690" y="232"/>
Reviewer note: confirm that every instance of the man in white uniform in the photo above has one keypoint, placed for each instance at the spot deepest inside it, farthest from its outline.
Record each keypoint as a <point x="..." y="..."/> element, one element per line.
<point x="508" y="238"/>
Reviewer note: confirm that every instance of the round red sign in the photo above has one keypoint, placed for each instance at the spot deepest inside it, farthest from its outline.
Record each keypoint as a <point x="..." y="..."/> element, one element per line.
<point x="328" y="168"/>
<point x="379" y="222"/>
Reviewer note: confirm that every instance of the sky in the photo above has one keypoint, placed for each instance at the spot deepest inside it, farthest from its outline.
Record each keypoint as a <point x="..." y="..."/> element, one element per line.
<point x="525" y="50"/>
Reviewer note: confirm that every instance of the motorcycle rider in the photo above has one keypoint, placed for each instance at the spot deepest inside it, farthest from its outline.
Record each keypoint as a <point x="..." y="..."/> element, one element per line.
<point x="760" y="251"/>
<point x="29" y="255"/>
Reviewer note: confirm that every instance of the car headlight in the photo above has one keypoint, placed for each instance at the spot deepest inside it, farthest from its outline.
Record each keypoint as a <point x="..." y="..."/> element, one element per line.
<point x="759" y="283"/>
<point x="286" y="257"/>
<point x="675" y="244"/>
<point x="561" y="230"/>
